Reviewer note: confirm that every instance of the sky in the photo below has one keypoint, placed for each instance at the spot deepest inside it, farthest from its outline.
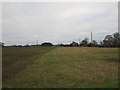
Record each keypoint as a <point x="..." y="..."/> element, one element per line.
<point x="57" y="22"/>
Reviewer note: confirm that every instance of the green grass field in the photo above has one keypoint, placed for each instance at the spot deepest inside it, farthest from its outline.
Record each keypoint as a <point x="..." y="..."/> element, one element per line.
<point x="60" y="67"/>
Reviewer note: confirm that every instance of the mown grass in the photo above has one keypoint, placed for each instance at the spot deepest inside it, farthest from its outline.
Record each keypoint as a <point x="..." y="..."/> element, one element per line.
<point x="65" y="67"/>
<point x="16" y="59"/>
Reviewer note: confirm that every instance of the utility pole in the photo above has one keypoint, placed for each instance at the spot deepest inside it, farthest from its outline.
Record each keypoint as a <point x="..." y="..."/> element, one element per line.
<point x="79" y="41"/>
<point x="91" y="39"/>
<point x="37" y="42"/>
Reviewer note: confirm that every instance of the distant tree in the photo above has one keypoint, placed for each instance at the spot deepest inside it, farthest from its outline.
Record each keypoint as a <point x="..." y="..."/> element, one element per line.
<point x="90" y="45"/>
<point x="116" y="39"/>
<point x="61" y="44"/>
<point x="94" y="43"/>
<point x="27" y="45"/>
<point x="14" y="45"/>
<point x="84" y="42"/>
<point x="101" y="44"/>
<point x="87" y="40"/>
<point x="47" y="44"/>
<point x="112" y="40"/>
<point x="108" y="41"/>
<point x="19" y="45"/>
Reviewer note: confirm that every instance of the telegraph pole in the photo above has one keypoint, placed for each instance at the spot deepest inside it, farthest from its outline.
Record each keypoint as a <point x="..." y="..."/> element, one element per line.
<point x="91" y="39"/>
<point x="79" y="41"/>
<point x="37" y="42"/>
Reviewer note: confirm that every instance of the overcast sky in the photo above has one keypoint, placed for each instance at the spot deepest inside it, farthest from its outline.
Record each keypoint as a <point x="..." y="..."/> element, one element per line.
<point x="60" y="22"/>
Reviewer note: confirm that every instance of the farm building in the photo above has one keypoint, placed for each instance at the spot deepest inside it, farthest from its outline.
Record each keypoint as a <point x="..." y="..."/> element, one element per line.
<point x="74" y="44"/>
<point x="47" y="44"/>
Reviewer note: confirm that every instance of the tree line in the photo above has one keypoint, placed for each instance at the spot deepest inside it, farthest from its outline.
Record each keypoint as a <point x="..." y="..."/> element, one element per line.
<point x="109" y="41"/>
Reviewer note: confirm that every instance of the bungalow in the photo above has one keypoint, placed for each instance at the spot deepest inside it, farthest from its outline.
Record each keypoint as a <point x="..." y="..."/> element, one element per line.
<point x="74" y="44"/>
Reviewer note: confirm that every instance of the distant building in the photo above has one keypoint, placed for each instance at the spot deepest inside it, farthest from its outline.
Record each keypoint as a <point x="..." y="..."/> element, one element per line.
<point x="74" y="44"/>
<point x="1" y="44"/>
<point x="47" y="44"/>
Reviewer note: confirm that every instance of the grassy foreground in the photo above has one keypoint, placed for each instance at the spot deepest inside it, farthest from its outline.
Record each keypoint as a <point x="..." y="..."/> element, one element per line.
<point x="61" y="67"/>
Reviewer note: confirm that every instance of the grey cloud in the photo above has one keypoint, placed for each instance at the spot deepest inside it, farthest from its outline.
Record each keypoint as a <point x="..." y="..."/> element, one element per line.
<point x="57" y="22"/>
